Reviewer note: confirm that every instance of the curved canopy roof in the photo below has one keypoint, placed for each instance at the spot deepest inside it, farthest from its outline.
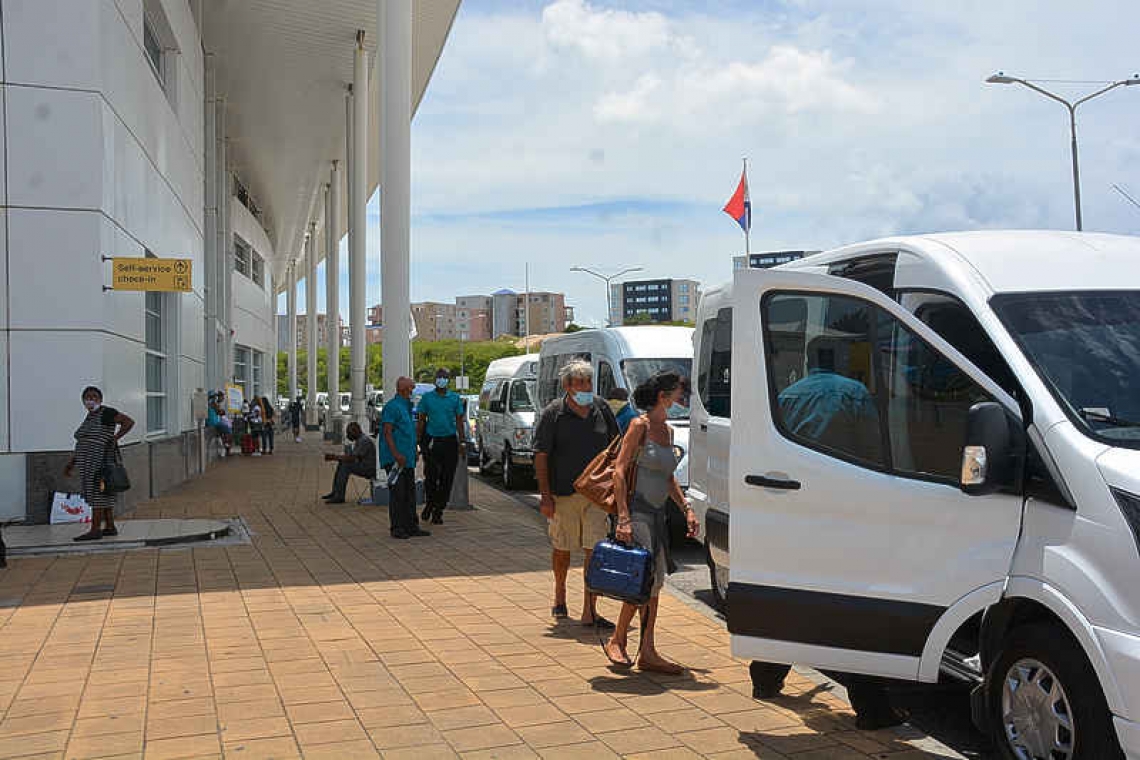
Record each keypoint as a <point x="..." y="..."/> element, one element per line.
<point x="283" y="67"/>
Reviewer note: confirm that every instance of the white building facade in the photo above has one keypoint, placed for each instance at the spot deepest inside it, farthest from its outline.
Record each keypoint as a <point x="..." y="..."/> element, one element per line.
<point x="119" y="141"/>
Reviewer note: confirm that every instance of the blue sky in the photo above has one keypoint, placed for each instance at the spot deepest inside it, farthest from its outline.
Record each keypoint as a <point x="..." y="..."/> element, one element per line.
<point x="610" y="134"/>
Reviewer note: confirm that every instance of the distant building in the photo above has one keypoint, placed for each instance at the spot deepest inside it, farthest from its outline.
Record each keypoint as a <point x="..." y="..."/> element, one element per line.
<point x="434" y="321"/>
<point x="376" y="315"/>
<point x="664" y="300"/>
<point x="767" y="259"/>
<point x="479" y="318"/>
<point x="303" y="330"/>
<point x="473" y="317"/>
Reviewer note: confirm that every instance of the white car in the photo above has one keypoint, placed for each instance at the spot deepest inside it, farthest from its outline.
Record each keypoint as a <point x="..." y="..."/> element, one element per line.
<point x="933" y="466"/>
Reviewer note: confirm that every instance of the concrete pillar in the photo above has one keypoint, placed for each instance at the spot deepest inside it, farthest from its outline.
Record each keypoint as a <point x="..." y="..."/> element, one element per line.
<point x="395" y="17"/>
<point x="358" y="200"/>
<point x="311" y="342"/>
<point x="291" y="328"/>
<point x="210" y="238"/>
<point x="221" y="272"/>
<point x="332" y="287"/>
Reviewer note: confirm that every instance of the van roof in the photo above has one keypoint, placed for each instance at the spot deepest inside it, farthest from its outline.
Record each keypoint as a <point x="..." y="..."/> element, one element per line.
<point x="1015" y="260"/>
<point x="649" y="341"/>
<point x="510" y="365"/>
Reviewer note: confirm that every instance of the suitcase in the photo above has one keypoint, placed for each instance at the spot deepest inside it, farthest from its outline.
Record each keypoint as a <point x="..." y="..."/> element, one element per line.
<point x="620" y="571"/>
<point x="247" y="444"/>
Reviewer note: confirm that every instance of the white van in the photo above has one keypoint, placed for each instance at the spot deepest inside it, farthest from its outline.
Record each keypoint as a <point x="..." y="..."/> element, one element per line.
<point x="934" y="466"/>
<point x="623" y="357"/>
<point x="505" y="423"/>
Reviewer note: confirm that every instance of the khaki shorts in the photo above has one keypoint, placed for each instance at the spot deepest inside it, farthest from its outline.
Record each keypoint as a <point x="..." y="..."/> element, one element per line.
<point x="577" y="523"/>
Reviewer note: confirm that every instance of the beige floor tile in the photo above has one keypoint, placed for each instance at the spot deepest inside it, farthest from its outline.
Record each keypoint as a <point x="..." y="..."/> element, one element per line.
<point x="554" y="734"/>
<point x="361" y="749"/>
<point x="259" y="708"/>
<point x="530" y="715"/>
<point x="318" y="712"/>
<point x="29" y="744"/>
<point x="185" y="725"/>
<point x="244" y="729"/>
<point x="328" y="732"/>
<point x="37" y="724"/>
<point x="481" y="737"/>
<point x="638" y="740"/>
<point x="107" y="745"/>
<point x="462" y="717"/>
<point x="425" y="752"/>
<point x="396" y="737"/>
<point x="617" y="719"/>
<point x="583" y="751"/>
<point x="279" y="748"/>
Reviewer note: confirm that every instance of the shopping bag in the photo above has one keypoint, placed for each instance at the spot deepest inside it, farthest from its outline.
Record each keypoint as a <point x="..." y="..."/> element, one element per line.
<point x="69" y="508"/>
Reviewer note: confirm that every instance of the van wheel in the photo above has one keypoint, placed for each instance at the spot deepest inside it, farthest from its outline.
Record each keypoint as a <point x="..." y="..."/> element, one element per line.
<point x="718" y="580"/>
<point x="484" y="461"/>
<point x="1045" y="702"/>
<point x="511" y="479"/>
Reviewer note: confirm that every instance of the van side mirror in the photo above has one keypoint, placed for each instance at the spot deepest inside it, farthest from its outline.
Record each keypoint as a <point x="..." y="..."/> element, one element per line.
<point x="994" y="450"/>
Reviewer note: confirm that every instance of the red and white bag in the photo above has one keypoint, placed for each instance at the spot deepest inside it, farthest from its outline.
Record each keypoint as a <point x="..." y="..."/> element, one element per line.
<point x="69" y="508"/>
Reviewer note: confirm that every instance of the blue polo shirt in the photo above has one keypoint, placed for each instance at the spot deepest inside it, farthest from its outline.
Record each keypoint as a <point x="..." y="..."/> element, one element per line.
<point x="398" y="414"/>
<point x="441" y="411"/>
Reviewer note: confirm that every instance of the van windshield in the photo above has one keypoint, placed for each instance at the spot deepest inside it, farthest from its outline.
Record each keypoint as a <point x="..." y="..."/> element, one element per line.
<point x="1086" y="347"/>
<point x="637" y="371"/>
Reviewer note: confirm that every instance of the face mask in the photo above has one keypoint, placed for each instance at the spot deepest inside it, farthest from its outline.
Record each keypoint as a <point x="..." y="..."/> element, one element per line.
<point x="583" y="398"/>
<point x="441" y="382"/>
<point x="677" y="410"/>
<point x="616" y="405"/>
<point x="91" y="405"/>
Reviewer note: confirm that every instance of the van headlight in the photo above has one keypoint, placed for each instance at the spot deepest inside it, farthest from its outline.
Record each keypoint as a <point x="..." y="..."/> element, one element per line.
<point x="1130" y="505"/>
<point x="522" y="438"/>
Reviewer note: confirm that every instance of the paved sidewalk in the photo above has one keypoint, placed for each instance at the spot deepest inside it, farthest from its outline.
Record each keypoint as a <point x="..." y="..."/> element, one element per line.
<point x="327" y="639"/>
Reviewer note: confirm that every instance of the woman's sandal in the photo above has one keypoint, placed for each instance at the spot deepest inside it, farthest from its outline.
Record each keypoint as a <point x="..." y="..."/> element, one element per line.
<point x="664" y="666"/>
<point x="624" y="664"/>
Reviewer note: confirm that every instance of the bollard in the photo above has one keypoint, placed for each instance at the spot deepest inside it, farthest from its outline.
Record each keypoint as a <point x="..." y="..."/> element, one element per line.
<point x="460" y="490"/>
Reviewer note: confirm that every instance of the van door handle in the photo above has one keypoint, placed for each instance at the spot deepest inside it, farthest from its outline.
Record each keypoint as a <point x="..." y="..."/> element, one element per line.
<point x="783" y="484"/>
<point x="704" y="428"/>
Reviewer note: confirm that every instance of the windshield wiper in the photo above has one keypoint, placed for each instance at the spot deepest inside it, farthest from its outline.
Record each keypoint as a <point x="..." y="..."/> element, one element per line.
<point x="1089" y="414"/>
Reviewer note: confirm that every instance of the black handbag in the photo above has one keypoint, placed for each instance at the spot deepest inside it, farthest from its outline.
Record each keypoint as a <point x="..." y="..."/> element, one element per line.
<point x="114" y="477"/>
<point x="621" y="571"/>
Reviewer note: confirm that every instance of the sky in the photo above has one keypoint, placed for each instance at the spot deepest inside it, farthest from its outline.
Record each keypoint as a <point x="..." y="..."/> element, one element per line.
<point x="609" y="134"/>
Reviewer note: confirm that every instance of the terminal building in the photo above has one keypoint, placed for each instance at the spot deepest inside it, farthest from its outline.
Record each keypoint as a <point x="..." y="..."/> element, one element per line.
<point x="223" y="134"/>
<point x="767" y="259"/>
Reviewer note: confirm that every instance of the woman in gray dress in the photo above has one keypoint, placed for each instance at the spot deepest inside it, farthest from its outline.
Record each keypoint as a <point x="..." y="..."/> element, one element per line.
<point x="92" y="449"/>
<point x="647" y="446"/>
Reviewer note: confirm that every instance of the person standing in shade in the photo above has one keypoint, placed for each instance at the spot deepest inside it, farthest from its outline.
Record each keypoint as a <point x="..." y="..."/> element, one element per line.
<point x="296" y="411"/>
<point x="571" y="431"/>
<point x="361" y="461"/>
<point x="398" y="458"/>
<point x="624" y="413"/>
<point x="266" y="425"/>
<point x="101" y="430"/>
<point x="439" y="427"/>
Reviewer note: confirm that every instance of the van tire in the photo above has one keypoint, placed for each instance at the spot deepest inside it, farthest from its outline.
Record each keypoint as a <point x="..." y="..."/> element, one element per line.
<point x="1093" y="733"/>
<point x="718" y="589"/>
<point x="512" y="480"/>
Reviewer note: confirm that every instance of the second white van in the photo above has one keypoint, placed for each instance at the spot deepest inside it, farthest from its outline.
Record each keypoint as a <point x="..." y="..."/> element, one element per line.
<point x="505" y="423"/>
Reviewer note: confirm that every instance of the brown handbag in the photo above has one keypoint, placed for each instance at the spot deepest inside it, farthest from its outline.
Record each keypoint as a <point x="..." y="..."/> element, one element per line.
<point x="596" y="482"/>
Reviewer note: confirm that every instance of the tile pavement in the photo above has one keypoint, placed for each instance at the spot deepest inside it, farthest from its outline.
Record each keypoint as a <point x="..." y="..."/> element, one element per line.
<point x="326" y="639"/>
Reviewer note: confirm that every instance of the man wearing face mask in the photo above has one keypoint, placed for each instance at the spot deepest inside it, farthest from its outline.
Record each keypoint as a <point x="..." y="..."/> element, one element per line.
<point x="439" y="429"/>
<point x="570" y="432"/>
<point x="618" y="399"/>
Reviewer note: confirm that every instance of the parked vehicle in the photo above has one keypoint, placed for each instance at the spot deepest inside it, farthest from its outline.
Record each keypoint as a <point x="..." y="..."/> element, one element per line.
<point x="624" y="357"/>
<point x="322" y="406"/>
<point x="470" y="415"/>
<point x="373" y="407"/>
<point x="345" y="403"/>
<point x="934" y="468"/>
<point x="505" y="426"/>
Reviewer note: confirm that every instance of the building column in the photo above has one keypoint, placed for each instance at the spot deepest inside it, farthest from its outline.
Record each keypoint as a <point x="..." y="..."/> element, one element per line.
<point x="291" y="328"/>
<point x="332" y="288"/>
<point x="358" y="201"/>
<point x="311" y="343"/>
<point x="224" y="250"/>
<point x="395" y="21"/>
<point x="210" y="238"/>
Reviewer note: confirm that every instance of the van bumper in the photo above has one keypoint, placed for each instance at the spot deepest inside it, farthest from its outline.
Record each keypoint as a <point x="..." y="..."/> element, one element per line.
<point x="1128" y="732"/>
<point x="522" y="458"/>
<point x="1122" y="655"/>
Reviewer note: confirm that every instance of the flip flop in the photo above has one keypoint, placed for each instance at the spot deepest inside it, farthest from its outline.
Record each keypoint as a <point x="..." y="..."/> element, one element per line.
<point x="623" y="664"/>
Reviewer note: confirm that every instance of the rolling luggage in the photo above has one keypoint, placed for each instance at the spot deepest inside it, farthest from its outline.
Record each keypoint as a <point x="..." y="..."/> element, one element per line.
<point x="247" y="445"/>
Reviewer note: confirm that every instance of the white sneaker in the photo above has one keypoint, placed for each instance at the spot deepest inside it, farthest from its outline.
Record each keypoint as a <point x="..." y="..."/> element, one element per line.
<point x="299" y="439"/>
<point x="257" y="453"/>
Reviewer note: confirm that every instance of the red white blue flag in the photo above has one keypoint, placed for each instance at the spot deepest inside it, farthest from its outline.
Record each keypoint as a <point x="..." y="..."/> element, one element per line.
<point x="739" y="206"/>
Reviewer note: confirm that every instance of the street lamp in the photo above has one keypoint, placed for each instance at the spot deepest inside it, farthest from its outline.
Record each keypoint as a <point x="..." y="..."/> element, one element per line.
<point x="606" y="280"/>
<point x="1001" y="78"/>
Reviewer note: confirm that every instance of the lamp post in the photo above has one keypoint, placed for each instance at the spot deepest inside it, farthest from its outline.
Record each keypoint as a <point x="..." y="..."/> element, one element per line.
<point x="1001" y="78"/>
<point x="606" y="280"/>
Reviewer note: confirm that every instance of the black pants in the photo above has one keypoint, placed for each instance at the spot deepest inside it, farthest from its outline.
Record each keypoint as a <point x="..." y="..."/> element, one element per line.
<point x="344" y="470"/>
<point x="402" y="501"/>
<point x="267" y="438"/>
<point x="440" y="461"/>
<point x="868" y="694"/>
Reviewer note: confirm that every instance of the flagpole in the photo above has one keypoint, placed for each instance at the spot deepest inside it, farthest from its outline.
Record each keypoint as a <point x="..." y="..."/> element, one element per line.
<point x="747" y="244"/>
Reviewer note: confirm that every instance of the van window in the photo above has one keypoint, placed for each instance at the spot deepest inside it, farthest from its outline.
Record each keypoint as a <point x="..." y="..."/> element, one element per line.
<point x="522" y="395"/>
<point x="715" y="364"/>
<point x="877" y="271"/>
<point x="487" y="393"/>
<point x="819" y="370"/>
<point x="605" y="381"/>
<point x="504" y="390"/>
<point x="548" y="369"/>
<point x="958" y="326"/>
<point x="871" y="391"/>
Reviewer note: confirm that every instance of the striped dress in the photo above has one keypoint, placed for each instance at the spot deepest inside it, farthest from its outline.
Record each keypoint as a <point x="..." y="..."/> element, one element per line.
<point x="91" y="452"/>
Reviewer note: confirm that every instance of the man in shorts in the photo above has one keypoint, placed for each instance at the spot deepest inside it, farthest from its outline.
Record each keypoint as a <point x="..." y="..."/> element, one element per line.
<point x="571" y="431"/>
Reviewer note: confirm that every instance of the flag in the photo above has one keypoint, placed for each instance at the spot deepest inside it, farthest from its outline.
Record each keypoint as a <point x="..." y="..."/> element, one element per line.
<point x="739" y="206"/>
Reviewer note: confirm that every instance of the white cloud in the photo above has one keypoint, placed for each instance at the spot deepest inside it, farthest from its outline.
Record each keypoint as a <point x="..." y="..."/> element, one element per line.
<point x="604" y="34"/>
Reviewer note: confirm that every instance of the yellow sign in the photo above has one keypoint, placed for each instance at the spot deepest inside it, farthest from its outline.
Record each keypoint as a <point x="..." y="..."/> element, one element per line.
<point x="170" y="275"/>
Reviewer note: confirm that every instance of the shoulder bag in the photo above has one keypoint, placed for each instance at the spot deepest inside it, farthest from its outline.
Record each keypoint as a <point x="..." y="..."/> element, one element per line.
<point x="114" y="475"/>
<point x="596" y="482"/>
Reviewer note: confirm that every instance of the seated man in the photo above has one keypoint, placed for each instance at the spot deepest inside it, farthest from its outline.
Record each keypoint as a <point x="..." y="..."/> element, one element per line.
<point x="362" y="462"/>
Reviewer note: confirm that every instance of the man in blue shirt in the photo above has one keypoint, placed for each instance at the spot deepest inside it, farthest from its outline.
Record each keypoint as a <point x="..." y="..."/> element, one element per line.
<point x="398" y="457"/>
<point x="439" y="424"/>
<point x="618" y="399"/>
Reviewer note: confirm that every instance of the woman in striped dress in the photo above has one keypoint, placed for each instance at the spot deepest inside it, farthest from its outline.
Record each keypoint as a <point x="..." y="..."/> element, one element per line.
<point x="92" y="441"/>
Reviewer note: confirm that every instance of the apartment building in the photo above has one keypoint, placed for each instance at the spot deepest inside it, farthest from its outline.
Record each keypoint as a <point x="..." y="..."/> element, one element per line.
<point x="661" y="300"/>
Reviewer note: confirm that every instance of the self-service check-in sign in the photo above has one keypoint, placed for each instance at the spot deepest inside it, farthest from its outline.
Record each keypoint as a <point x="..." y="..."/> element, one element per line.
<point x="169" y="275"/>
